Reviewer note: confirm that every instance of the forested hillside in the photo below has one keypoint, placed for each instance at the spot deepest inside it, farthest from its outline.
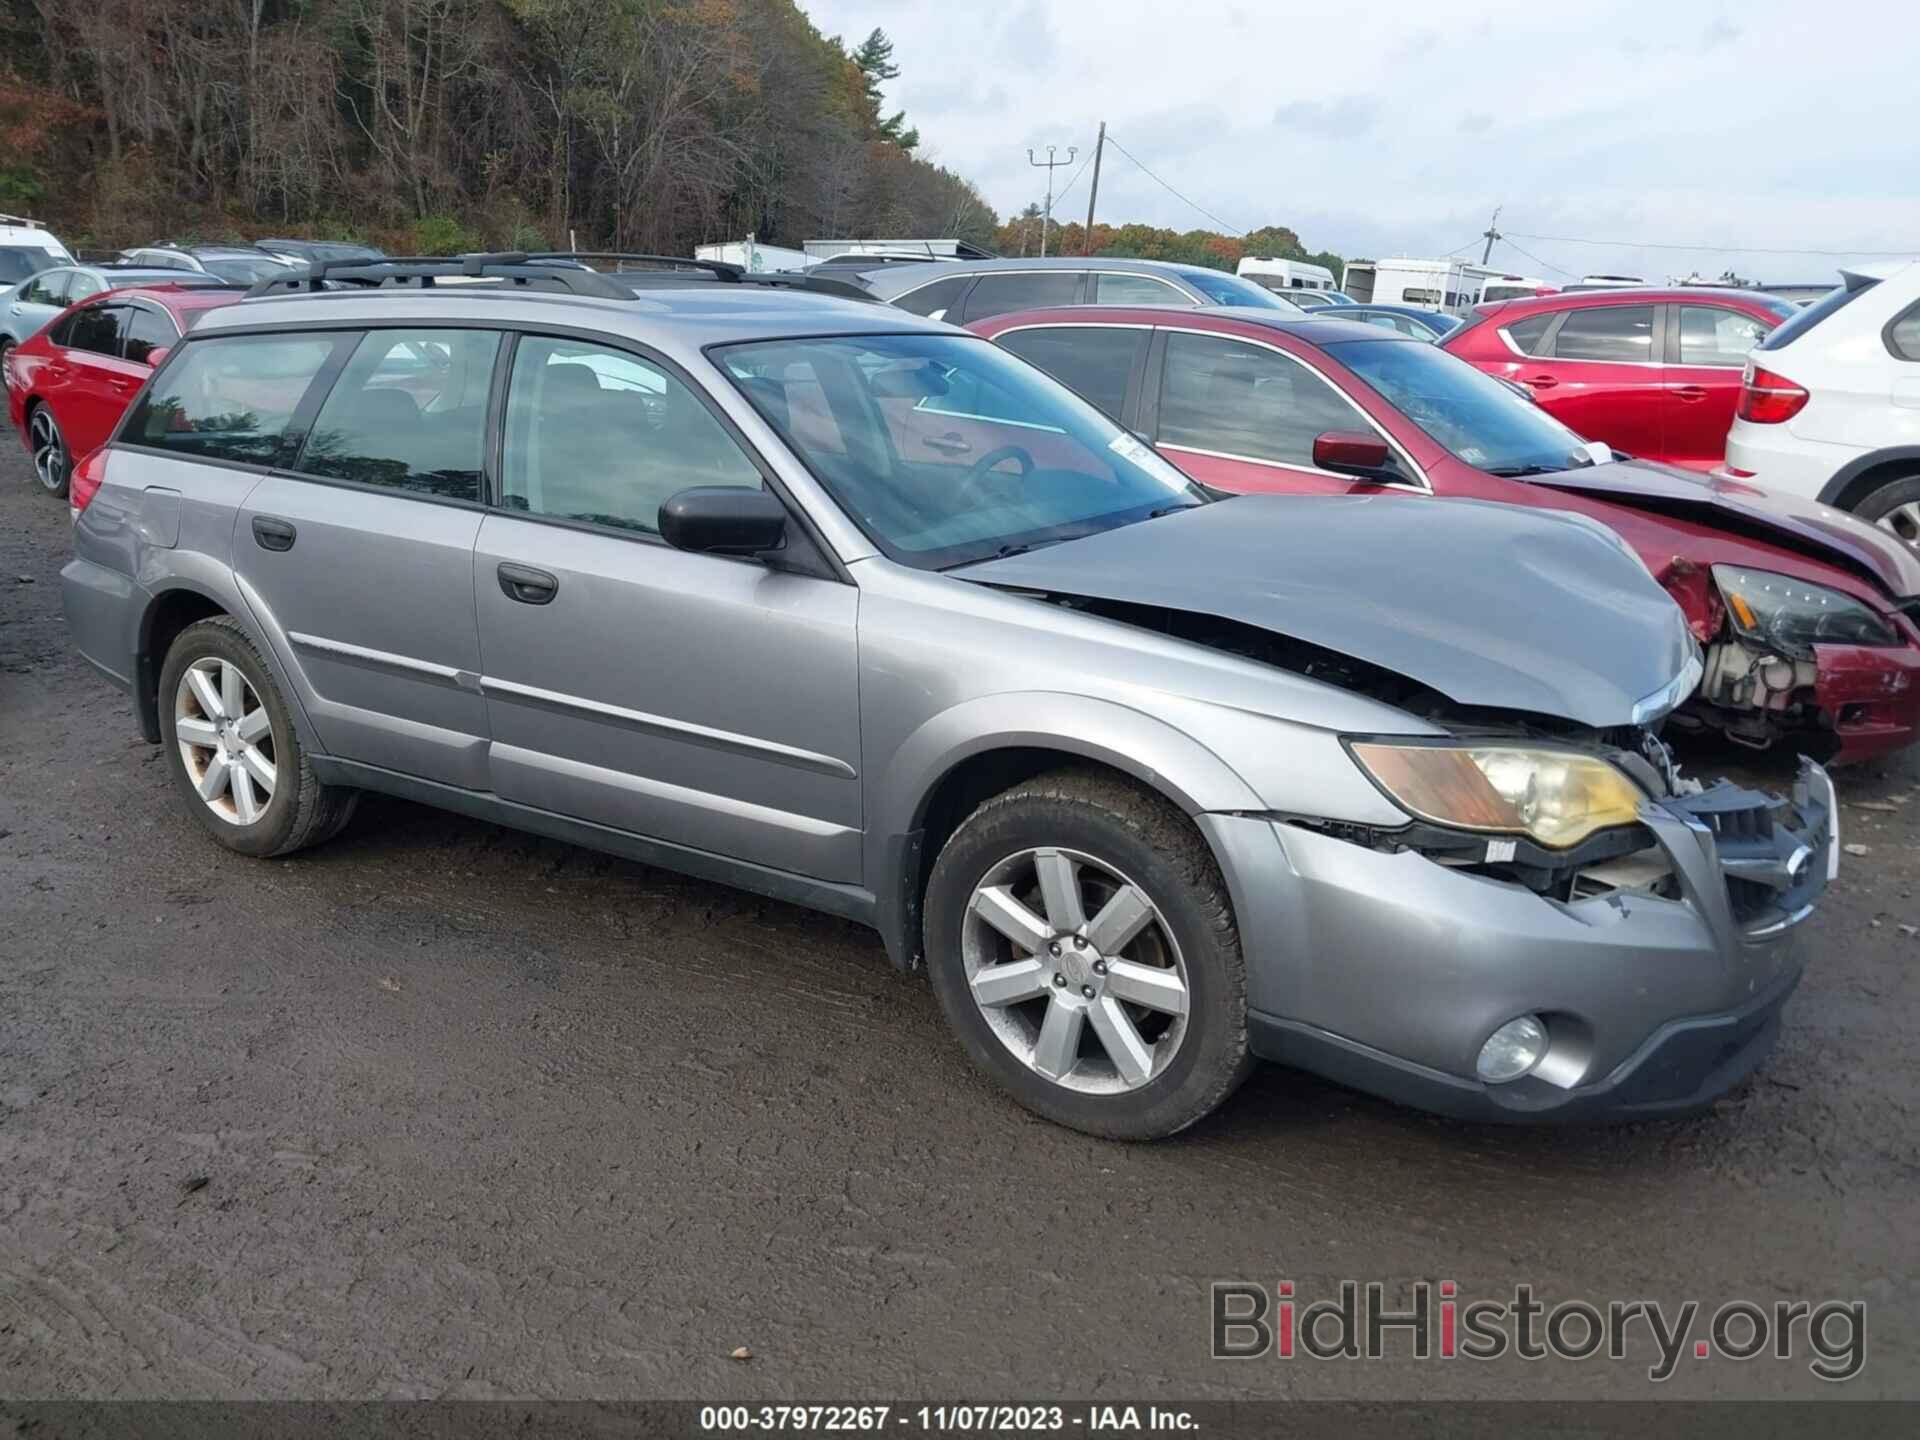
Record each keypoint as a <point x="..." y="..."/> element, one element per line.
<point x="443" y="125"/>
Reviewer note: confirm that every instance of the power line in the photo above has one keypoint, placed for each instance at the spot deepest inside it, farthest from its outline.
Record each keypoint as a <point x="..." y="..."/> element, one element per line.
<point x="1231" y="229"/>
<point x="1547" y="264"/>
<point x="1075" y="181"/>
<point x="1714" y="249"/>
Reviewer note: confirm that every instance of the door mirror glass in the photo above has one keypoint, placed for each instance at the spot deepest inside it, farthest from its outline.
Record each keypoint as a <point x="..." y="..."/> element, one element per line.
<point x="723" y="520"/>
<point x="1352" y="452"/>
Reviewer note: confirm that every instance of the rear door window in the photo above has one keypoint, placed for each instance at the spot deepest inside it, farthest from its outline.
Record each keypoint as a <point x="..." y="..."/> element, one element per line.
<point x="1095" y="360"/>
<point x="996" y="294"/>
<point x="231" y="398"/>
<point x="95" y="329"/>
<point x="1606" y="332"/>
<point x="1710" y="335"/>
<point x="408" y="412"/>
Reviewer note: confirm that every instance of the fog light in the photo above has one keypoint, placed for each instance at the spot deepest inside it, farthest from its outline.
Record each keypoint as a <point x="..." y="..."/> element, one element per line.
<point x="1512" y="1050"/>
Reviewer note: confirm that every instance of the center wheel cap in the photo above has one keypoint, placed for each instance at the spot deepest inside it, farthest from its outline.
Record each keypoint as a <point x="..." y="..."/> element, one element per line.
<point x="1077" y="965"/>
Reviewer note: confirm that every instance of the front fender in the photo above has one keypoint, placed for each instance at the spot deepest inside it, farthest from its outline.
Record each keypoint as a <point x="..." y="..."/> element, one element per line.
<point x="1152" y="751"/>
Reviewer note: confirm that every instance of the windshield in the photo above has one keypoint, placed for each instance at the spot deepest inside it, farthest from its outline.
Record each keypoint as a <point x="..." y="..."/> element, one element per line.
<point x="17" y="262"/>
<point x="946" y="449"/>
<point x="1224" y="289"/>
<point x="1472" y="414"/>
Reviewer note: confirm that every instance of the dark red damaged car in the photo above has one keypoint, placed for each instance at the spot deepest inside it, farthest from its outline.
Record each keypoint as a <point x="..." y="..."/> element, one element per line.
<point x="1809" y="620"/>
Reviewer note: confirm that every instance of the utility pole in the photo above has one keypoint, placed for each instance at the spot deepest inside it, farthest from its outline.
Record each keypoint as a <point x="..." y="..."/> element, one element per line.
<point x="1049" y="165"/>
<point x="1492" y="232"/>
<point x="1094" y="193"/>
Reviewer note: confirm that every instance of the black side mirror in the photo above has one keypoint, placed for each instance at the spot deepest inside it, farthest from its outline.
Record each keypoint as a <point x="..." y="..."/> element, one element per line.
<point x="723" y="520"/>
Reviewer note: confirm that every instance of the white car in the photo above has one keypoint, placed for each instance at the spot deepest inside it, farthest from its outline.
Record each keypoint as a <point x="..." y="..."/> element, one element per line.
<point x="1830" y="404"/>
<point x="26" y="249"/>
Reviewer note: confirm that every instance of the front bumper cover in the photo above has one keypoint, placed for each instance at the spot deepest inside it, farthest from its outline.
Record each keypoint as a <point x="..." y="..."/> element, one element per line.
<point x="1387" y="971"/>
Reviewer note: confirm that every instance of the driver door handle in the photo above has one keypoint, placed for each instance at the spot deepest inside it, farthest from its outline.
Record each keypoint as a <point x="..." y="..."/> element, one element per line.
<point x="1690" y="392"/>
<point x="527" y="585"/>
<point x="948" y="444"/>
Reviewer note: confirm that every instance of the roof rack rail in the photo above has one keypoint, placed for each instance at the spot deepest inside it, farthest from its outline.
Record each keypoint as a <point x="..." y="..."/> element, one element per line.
<point x="514" y="266"/>
<point x="719" y="269"/>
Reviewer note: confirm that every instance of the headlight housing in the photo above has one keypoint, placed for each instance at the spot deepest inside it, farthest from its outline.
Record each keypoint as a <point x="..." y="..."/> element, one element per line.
<point x="1790" y="616"/>
<point x="1557" y="798"/>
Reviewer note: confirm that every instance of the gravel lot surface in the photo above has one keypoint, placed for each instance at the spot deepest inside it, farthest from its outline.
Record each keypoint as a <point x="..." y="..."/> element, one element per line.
<point x="444" y="1110"/>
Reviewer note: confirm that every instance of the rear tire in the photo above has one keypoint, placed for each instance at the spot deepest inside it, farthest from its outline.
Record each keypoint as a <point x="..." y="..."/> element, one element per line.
<point x="1895" y="506"/>
<point x="1082" y="945"/>
<point x="232" y="749"/>
<point x="52" y="461"/>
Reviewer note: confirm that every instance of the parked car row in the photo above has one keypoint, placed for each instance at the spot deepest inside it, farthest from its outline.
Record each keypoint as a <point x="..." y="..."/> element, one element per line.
<point x="1150" y="777"/>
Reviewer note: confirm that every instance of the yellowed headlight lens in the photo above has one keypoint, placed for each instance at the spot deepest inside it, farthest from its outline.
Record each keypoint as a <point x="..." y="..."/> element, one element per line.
<point x="1555" y="797"/>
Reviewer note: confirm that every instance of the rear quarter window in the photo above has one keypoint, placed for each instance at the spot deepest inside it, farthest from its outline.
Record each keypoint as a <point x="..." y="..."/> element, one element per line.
<point x="1529" y="335"/>
<point x="231" y="398"/>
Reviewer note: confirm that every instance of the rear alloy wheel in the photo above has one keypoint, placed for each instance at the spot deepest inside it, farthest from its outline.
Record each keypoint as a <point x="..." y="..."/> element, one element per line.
<point x="49" y="449"/>
<point x="1082" y="946"/>
<point x="1895" y="507"/>
<point x="6" y="344"/>
<point x="232" y="749"/>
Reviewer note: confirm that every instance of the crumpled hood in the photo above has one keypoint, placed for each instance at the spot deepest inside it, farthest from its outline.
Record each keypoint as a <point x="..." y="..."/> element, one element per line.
<point x="1788" y="520"/>
<point x="1491" y="605"/>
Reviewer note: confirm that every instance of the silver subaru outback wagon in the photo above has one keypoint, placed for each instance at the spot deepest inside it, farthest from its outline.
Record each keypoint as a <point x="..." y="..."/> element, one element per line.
<point x="844" y="606"/>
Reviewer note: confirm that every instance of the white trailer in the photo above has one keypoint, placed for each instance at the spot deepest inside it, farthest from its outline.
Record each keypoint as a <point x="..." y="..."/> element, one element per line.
<point x="1443" y="284"/>
<point x="1283" y="275"/>
<point x="750" y="254"/>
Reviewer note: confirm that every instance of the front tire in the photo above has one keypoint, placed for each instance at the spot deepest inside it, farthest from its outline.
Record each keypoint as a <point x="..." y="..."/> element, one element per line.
<point x="232" y="750"/>
<point x="1895" y="506"/>
<point x="1083" y="948"/>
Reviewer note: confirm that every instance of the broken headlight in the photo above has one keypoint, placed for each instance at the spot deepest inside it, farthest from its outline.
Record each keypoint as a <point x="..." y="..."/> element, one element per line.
<point x="1556" y="797"/>
<point x="1790" y="617"/>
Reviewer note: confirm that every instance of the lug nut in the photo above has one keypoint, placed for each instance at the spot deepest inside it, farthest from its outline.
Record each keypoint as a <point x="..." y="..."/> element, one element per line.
<point x="1079" y="942"/>
<point x="1099" y="967"/>
<point x="1059" y="979"/>
<point x="1087" y="990"/>
<point x="1054" y="948"/>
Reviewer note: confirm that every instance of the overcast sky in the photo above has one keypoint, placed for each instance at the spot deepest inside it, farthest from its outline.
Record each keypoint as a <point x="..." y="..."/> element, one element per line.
<point x="1389" y="127"/>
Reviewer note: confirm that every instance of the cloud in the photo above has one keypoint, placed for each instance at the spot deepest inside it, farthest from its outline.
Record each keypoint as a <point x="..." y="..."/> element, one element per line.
<point x="1348" y="115"/>
<point x="1257" y="113"/>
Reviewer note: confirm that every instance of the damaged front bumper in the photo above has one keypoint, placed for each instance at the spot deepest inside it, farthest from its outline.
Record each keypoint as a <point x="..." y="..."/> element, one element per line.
<point x="1660" y="977"/>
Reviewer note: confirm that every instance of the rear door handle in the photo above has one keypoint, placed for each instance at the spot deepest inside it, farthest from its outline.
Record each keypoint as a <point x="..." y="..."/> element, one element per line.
<point x="949" y="444"/>
<point x="272" y="534"/>
<point x="527" y="585"/>
<point x="1541" y="382"/>
<point x="1690" y="392"/>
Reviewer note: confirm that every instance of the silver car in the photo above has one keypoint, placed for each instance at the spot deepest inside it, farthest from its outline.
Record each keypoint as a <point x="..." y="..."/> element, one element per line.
<point x="846" y="607"/>
<point x="34" y="301"/>
<point x="962" y="291"/>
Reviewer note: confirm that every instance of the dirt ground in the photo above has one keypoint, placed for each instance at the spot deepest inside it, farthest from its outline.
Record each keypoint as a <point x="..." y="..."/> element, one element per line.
<point x="444" y="1110"/>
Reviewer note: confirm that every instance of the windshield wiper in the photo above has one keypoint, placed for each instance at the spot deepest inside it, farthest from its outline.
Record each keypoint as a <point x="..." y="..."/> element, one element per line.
<point x="1520" y="472"/>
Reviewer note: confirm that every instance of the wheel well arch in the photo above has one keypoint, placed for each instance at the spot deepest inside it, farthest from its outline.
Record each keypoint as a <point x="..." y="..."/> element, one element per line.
<point x="955" y="795"/>
<point x="1859" y="478"/>
<point x="171" y="612"/>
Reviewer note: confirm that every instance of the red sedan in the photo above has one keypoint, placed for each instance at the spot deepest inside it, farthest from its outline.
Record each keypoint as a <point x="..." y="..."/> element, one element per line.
<point x="1653" y="373"/>
<point x="68" y="384"/>
<point x="1810" y="620"/>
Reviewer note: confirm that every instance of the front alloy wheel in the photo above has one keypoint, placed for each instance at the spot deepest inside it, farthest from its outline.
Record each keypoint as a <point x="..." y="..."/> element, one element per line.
<point x="49" y="450"/>
<point x="1082" y="945"/>
<point x="1904" y="521"/>
<point x="1075" y="970"/>
<point x="226" y="740"/>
